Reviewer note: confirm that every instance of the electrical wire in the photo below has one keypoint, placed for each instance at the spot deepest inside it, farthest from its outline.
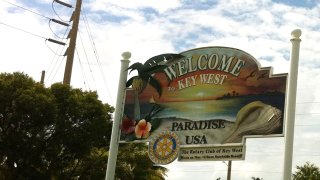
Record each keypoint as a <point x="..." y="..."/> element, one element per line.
<point x="57" y="13"/>
<point x="95" y="51"/>
<point x="58" y="55"/>
<point x="52" y="49"/>
<point x="87" y="59"/>
<point x="50" y="19"/>
<point x="56" y="71"/>
<point x="55" y="68"/>
<point x="83" y="72"/>
<point x="55" y="34"/>
<point x="46" y="39"/>
<point x="52" y="72"/>
<point x="23" y="30"/>
<point x="27" y="9"/>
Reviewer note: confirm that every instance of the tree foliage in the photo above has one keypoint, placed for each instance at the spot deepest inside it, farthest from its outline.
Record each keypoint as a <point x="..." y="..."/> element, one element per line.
<point x="308" y="171"/>
<point x="137" y="166"/>
<point x="58" y="133"/>
<point x="256" y="178"/>
<point x="45" y="131"/>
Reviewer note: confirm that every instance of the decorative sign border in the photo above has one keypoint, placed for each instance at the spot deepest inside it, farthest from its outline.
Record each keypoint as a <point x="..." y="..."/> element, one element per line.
<point x="208" y="97"/>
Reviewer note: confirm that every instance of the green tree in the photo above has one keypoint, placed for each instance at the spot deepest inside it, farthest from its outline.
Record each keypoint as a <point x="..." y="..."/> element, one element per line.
<point x="132" y="164"/>
<point x="256" y="178"/>
<point x="137" y="166"/>
<point x="54" y="133"/>
<point x="44" y="131"/>
<point x="308" y="171"/>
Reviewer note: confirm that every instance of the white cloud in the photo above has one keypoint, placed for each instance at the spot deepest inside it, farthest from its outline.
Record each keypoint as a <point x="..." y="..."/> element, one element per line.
<point x="261" y="28"/>
<point x="160" y="6"/>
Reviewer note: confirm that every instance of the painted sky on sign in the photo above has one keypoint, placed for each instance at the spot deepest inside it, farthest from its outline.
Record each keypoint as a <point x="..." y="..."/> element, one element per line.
<point x="211" y="84"/>
<point x="150" y="27"/>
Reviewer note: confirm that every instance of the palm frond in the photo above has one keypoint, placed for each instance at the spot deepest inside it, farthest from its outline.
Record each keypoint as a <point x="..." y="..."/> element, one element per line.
<point x="129" y="82"/>
<point x="155" y="83"/>
<point x="151" y="70"/>
<point x="162" y="57"/>
<point x="136" y="66"/>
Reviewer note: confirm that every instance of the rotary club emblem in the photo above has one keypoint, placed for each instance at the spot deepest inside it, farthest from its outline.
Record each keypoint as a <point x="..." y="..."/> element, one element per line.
<point x="163" y="149"/>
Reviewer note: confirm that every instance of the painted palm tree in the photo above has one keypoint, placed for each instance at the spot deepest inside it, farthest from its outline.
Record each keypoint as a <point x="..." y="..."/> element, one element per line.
<point x="145" y="76"/>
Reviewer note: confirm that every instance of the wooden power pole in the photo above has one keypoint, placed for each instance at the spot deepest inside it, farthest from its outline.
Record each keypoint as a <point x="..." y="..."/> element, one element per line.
<point x="43" y="73"/>
<point x="72" y="45"/>
<point x="229" y="170"/>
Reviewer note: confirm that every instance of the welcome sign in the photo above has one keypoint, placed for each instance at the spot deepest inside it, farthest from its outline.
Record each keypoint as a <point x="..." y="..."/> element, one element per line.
<point x="201" y="104"/>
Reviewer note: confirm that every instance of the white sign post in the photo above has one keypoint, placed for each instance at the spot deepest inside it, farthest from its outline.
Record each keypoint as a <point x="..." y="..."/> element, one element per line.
<point x="114" y="143"/>
<point x="291" y="104"/>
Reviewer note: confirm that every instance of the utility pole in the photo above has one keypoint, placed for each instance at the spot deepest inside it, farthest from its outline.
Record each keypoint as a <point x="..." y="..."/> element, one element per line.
<point x="43" y="73"/>
<point x="73" y="38"/>
<point x="229" y="170"/>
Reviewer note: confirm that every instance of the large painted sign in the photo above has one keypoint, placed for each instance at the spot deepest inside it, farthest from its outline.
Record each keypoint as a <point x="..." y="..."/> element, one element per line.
<point x="207" y="99"/>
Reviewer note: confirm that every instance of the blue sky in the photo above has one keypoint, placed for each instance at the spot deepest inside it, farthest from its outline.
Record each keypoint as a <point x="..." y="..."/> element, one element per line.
<point x="150" y="27"/>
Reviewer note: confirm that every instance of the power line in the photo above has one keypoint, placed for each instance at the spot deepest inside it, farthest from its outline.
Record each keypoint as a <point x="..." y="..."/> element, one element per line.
<point x="50" y="19"/>
<point x="83" y="72"/>
<point x="95" y="51"/>
<point x="60" y="43"/>
<point x="56" y="70"/>
<point x="59" y="57"/>
<point x="54" y="10"/>
<point x="53" y="72"/>
<point x="63" y="3"/>
<point x="26" y="9"/>
<point x="54" y="32"/>
<point x="47" y="39"/>
<point x="56" y="54"/>
<point x="23" y="30"/>
<point x="87" y="59"/>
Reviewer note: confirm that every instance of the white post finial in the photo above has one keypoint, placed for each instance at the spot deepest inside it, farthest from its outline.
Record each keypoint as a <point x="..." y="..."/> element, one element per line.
<point x="114" y="144"/>
<point x="291" y="104"/>
<point x="126" y="55"/>
<point x="296" y="33"/>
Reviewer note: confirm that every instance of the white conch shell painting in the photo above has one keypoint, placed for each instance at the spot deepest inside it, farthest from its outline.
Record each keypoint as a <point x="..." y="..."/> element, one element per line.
<point x="255" y="118"/>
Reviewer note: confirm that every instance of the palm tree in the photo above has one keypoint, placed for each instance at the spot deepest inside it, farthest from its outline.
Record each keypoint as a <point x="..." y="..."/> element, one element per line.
<point x="307" y="172"/>
<point x="144" y="77"/>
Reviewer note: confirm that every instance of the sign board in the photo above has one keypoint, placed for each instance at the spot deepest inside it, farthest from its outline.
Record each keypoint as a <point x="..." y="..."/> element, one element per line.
<point x="209" y="98"/>
<point x="212" y="153"/>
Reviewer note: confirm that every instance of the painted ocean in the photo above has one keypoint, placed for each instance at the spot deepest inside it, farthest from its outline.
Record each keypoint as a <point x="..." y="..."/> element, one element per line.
<point x="224" y="108"/>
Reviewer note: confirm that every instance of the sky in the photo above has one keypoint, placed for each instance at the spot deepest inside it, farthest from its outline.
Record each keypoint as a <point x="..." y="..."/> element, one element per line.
<point x="147" y="28"/>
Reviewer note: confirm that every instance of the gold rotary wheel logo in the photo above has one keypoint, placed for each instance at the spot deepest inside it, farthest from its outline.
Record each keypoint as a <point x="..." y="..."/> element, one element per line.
<point x="164" y="148"/>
